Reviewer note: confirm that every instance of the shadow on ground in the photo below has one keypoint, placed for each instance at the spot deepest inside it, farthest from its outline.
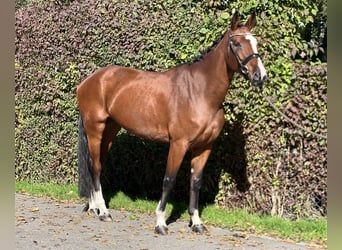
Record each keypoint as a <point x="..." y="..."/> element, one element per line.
<point x="136" y="167"/>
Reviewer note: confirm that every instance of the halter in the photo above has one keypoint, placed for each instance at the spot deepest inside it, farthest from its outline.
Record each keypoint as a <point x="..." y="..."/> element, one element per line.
<point x="242" y="64"/>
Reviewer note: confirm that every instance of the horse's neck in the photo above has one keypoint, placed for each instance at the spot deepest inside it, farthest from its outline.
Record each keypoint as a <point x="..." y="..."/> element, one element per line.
<point x="217" y="75"/>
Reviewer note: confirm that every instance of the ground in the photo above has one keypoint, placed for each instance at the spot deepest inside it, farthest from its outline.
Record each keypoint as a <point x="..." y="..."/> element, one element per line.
<point x="45" y="223"/>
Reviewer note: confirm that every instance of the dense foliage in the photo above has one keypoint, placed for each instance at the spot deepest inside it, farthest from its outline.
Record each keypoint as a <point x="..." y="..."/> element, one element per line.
<point x="60" y="43"/>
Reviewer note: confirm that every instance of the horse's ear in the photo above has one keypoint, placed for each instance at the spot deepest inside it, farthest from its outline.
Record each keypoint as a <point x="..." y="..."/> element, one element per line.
<point x="235" y="21"/>
<point x="251" y="22"/>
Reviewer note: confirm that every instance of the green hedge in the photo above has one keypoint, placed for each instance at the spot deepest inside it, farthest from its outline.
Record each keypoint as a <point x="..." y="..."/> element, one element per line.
<point x="59" y="44"/>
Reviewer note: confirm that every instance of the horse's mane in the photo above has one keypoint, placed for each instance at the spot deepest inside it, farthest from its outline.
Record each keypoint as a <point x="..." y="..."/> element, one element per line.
<point x="207" y="50"/>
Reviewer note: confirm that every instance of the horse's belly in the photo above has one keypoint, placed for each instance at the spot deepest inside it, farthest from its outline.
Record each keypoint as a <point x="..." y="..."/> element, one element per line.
<point x="146" y="129"/>
<point x="142" y="120"/>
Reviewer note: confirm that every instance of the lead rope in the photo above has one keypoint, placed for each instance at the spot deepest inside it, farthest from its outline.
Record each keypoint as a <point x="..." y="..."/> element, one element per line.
<point x="288" y="119"/>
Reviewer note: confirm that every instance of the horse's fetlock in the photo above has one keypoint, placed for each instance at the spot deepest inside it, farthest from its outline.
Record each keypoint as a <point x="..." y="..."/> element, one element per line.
<point x="191" y="211"/>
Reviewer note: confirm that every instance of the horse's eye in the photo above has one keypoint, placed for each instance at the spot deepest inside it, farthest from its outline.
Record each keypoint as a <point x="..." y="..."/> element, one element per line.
<point x="237" y="44"/>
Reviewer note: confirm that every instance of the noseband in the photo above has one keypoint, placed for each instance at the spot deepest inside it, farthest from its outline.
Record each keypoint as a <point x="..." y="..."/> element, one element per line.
<point x="242" y="63"/>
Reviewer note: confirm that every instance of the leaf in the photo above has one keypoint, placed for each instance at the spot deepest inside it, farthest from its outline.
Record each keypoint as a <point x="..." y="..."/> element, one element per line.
<point x="34" y="209"/>
<point x="183" y="56"/>
<point x="225" y="15"/>
<point x="314" y="11"/>
<point x="21" y="218"/>
<point x="203" y="31"/>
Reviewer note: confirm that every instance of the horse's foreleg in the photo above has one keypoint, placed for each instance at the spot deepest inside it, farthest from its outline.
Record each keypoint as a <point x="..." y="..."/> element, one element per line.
<point x="174" y="160"/>
<point x="198" y="161"/>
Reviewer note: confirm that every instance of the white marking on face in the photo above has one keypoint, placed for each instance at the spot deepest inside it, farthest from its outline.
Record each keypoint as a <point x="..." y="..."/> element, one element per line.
<point x="254" y="43"/>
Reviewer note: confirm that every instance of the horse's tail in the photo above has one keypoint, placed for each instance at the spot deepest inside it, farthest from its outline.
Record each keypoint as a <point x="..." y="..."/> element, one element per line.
<point x="85" y="179"/>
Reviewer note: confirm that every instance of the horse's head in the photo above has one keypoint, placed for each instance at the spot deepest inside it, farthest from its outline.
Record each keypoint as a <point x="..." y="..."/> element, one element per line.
<point x="243" y="47"/>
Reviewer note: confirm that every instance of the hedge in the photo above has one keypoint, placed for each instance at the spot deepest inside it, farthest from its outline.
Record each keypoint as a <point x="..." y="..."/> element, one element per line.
<point x="60" y="43"/>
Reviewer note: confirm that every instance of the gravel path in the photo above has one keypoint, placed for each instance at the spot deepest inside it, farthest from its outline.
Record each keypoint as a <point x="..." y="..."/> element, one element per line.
<point x="44" y="223"/>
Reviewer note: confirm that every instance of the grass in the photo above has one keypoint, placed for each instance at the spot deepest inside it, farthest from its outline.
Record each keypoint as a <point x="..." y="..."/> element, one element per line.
<point x="65" y="192"/>
<point x="307" y="230"/>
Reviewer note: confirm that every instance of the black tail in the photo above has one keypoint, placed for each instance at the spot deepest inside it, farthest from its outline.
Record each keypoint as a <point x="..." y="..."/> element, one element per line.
<point x="84" y="163"/>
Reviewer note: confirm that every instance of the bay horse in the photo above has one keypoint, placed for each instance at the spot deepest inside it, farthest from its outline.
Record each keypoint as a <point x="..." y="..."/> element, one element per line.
<point x="181" y="106"/>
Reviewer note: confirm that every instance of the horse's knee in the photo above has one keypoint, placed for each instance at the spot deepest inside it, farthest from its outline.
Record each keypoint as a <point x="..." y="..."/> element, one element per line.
<point x="196" y="183"/>
<point x="168" y="183"/>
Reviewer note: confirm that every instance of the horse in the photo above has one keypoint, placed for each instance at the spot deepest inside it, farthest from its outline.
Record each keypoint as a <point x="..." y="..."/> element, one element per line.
<point x="181" y="106"/>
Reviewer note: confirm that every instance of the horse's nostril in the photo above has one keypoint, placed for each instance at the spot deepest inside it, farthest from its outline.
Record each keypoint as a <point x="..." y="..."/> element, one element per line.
<point x="265" y="78"/>
<point x="256" y="76"/>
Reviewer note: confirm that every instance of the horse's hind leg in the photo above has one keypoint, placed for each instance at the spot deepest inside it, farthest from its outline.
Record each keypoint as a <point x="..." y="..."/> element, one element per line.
<point x="100" y="136"/>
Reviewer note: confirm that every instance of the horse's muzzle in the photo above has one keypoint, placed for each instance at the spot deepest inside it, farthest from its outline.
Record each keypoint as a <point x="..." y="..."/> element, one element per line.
<point x="258" y="79"/>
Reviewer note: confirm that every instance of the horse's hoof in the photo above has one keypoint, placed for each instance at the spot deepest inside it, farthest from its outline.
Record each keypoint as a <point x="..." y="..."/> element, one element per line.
<point x="161" y="230"/>
<point x="86" y="208"/>
<point x="106" y="218"/>
<point x="93" y="211"/>
<point x="199" y="228"/>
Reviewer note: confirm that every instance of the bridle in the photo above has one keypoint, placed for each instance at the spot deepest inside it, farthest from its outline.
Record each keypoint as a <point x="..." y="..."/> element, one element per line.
<point x="242" y="63"/>
<point x="244" y="72"/>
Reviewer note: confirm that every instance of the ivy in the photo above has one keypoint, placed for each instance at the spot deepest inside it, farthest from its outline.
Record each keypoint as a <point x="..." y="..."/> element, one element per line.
<point x="59" y="43"/>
